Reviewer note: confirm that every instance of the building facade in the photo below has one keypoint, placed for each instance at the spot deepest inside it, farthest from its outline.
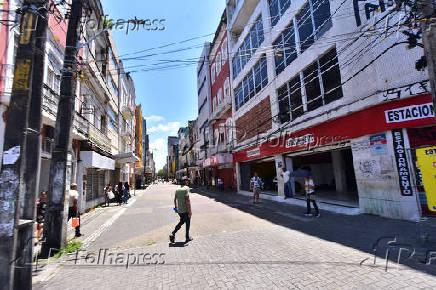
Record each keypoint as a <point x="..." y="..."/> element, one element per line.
<point x="316" y="86"/>
<point x="219" y="163"/>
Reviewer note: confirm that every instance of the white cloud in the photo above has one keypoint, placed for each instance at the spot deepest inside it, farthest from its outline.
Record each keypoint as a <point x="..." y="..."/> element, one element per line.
<point x="170" y="128"/>
<point x="154" y="118"/>
<point x="158" y="144"/>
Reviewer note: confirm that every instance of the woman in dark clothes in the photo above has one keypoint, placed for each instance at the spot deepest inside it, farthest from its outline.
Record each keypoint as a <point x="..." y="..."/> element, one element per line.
<point x="120" y="193"/>
<point x="126" y="192"/>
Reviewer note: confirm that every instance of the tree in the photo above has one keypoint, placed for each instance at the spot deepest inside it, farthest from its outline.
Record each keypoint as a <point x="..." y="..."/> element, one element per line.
<point x="161" y="173"/>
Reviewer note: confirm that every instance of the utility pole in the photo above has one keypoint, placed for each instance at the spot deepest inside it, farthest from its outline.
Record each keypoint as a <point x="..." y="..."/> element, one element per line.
<point x="427" y="8"/>
<point x="17" y="131"/>
<point x="26" y="209"/>
<point x="57" y="210"/>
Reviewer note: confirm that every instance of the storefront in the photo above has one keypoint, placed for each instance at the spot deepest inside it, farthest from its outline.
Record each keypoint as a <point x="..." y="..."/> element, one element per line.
<point x="219" y="166"/>
<point x="422" y="141"/>
<point x="96" y="171"/>
<point x="356" y="158"/>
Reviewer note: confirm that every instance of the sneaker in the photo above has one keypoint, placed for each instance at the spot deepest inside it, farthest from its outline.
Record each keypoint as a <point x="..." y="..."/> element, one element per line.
<point x="318" y="215"/>
<point x="188" y="240"/>
<point x="172" y="239"/>
<point x="308" y="214"/>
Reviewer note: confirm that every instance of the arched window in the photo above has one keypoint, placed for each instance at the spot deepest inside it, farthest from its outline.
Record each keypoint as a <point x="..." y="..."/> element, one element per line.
<point x="216" y="136"/>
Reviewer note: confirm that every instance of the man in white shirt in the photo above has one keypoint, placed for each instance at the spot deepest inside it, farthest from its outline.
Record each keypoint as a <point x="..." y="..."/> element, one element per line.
<point x="73" y="210"/>
<point x="309" y="186"/>
<point x="256" y="184"/>
<point x="287" y="183"/>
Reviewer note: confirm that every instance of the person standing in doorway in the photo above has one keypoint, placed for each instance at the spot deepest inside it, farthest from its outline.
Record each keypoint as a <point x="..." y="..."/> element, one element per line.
<point x="255" y="185"/>
<point x="73" y="210"/>
<point x="287" y="183"/>
<point x="309" y="186"/>
<point x="182" y="206"/>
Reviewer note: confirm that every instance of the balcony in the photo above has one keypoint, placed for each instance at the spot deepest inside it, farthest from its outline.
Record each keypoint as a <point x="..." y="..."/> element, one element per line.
<point x="126" y="112"/>
<point x="98" y="138"/>
<point x="221" y="109"/>
<point x="240" y="14"/>
<point x="50" y="103"/>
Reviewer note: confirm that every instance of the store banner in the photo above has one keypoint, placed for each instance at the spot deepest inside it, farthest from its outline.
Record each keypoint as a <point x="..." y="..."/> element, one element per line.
<point x="427" y="165"/>
<point x="401" y="162"/>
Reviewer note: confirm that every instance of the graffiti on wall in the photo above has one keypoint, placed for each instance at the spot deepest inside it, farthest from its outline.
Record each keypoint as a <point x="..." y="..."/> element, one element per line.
<point x="418" y="88"/>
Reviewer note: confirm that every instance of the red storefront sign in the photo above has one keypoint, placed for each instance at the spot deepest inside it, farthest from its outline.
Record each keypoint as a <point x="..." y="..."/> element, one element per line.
<point x="379" y="118"/>
<point x="218" y="159"/>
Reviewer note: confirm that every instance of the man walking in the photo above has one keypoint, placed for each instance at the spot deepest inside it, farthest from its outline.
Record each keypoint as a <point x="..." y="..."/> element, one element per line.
<point x="73" y="210"/>
<point x="309" y="186"/>
<point x="287" y="183"/>
<point x="182" y="205"/>
<point x="255" y="185"/>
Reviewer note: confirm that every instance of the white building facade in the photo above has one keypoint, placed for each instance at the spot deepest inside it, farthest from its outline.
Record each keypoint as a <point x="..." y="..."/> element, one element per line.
<point x="324" y="85"/>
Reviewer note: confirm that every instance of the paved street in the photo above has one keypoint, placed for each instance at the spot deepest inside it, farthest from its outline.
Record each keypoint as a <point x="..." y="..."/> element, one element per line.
<point x="240" y="245"/>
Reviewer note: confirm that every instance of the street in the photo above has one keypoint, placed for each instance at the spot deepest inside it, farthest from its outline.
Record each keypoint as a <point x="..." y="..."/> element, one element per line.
<point x="237" y="245"/>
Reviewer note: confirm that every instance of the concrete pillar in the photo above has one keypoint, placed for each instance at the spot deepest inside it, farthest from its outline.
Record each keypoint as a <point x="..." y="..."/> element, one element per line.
<point x="280" y="163"/>
<point x="238" y="176"/>
<point x="339" y="171"/>
<point x="290" y="168"/>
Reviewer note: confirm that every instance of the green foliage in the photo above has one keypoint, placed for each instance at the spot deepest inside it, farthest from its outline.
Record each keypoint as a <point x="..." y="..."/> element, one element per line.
<point x="72" y="246"/>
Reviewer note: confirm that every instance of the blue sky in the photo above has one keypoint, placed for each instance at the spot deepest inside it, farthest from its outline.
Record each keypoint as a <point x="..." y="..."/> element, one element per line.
<point x="168" y="96"/>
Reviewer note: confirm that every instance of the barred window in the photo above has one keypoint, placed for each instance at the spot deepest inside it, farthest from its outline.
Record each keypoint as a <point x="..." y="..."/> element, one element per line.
<point x="254" y="81"/>
<point x="322" y="84"/>
<point x="248" y="47"/>
<point x="277" y="9"/>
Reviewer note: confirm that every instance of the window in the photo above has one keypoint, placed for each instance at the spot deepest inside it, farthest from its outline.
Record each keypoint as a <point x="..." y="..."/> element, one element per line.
<point x="112" y="118"/>
<point x="253" y="82"/>
<point x="220" y="96"/>
<point x="310" y="24"/>
<point x="313" y="89"/>
<point x="224" y="50"/>
<point x="218" y="63"/>
<point x="277" y="9"/>
<point x="305" y="28"/>
<point x="112" y="83"/>
<point x="316" y="12"/>
<point x="212" y="73"/>
<point x="248" y="47"/>
<point x="103" y="124"/>
<point x="322" y="83"/>
<point x="222" y="136"/>
<point x="227" y="89"/>
<point x="216" y="136"/>
<point x="331" y="76"/>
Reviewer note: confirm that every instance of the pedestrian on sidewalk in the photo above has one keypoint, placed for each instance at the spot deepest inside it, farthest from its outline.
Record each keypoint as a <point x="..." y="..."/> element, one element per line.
<point x="108" y="194"/>
<point x="73" y="210"/>
<point x="126" y="193"/>
<point x="182" y="206"/>
<point x="41" y="207"/>
<point x="255" y="185"/>
<point x="309" y="186"/>
<point x="120" y="193"/>
<point x="287" y="183"/>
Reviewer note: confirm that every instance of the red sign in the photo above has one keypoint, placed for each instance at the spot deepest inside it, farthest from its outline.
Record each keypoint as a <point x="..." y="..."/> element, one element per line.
<point x="370" y="121"/>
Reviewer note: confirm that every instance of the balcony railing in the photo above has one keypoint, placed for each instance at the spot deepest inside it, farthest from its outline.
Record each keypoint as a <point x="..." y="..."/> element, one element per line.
<point x="221" y="108"/>
<point x="98" y="138"/>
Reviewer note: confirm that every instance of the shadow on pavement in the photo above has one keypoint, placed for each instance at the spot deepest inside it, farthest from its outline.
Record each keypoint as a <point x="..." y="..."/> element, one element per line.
<point x="371" y="234"/>
<point x="177" y="245"/>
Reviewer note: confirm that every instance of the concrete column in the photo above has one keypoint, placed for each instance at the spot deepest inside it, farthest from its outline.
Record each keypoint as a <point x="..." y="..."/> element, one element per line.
<point x="290" y="168"/>
<point x="238" y="176"/>
<point x="280" y="163"/>
<point x="339" y="171"/>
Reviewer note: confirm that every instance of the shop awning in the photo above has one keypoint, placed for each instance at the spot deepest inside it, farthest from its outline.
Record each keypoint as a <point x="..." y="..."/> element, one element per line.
<point x="127" y="157"/>
<point x="94" y="160"/>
